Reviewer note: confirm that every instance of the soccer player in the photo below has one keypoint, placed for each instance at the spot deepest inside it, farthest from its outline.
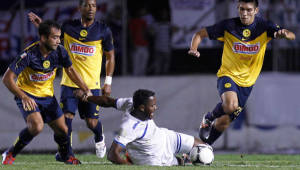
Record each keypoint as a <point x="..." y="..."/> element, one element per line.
<point x="144" y="142"/>
<point x="245" y="40"/>
<point x="35" y="70"/>
<point x="85" y="40"/>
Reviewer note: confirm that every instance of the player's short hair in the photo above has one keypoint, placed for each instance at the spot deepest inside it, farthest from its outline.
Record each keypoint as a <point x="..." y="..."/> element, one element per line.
<point x="82" y="1"/>
<point x="254" y="1"/>
<point x="141" y="96"/>
<point x="45" y="27"/>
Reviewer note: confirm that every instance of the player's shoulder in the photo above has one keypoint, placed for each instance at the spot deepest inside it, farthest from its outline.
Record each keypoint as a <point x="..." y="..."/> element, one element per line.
<point x="30" y="50"/>
<point x="101" y="24"/>
<point x="71" y="22"/>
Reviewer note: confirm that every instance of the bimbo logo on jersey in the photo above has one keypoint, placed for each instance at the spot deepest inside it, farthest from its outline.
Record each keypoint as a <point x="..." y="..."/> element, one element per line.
<point x="246" y="48"/>
<point x="41" y="77"/>
<point x="82" y="49"/>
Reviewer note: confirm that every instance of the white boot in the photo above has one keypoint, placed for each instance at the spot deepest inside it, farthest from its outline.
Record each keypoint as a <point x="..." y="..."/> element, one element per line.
<point x="100" y="148"/>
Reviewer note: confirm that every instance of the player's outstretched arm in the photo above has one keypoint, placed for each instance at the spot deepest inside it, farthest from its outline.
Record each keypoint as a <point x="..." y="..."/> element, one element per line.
<point x="9" y="81"/>
<point x="36" y="20"/>
<point x="284" y="33"/>
<point x="196" y="40"/>
<point x="109" y="69"/>
<point x="114" y="155"/>
<point x="103" y="101"/>
<point x="75" y="77"/>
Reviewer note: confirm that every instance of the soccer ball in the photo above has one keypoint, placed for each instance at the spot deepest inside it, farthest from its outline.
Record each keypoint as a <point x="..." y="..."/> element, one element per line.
<point x="202" y="154"/>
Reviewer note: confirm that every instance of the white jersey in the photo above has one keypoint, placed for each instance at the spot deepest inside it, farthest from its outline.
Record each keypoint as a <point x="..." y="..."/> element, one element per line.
<point x="146" y="143"/>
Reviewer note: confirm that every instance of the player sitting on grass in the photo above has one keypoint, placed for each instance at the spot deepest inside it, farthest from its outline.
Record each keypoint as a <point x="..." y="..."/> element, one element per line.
<point x="35" y="71"/>
<point x="144" y="142"/>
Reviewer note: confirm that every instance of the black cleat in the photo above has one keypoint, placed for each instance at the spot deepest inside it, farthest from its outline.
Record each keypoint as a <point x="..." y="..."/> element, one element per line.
<point x="205" y="128"/>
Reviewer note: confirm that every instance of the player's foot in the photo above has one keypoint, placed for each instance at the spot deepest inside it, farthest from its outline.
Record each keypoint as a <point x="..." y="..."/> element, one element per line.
<point x="72" y="161"/>
<point x="100" y="148"/>
<point x="186" y="159"/>
<point x="205" y="128"/>
<point x="7" y="158"/>
<point x="59" y="158"/>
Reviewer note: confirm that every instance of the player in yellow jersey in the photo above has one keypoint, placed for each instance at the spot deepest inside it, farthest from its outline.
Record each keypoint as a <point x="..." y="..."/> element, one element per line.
<point x="35" y="70"/>
<point x="86" y="41"/>
<point x="245" y="40"/>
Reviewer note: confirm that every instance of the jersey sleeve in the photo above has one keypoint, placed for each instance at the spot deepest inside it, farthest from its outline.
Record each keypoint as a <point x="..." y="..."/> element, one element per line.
<point x="272" y="28"/>
<point x="124" y="104"/>
<point x="65" y="60"/>
<point x="216" y="31"/>
<point x="20" y="63"/>
<point x="108" y="42"/>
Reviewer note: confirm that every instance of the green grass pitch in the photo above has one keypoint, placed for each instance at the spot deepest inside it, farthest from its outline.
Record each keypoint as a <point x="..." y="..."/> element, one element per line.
<point x="222" y="161"/>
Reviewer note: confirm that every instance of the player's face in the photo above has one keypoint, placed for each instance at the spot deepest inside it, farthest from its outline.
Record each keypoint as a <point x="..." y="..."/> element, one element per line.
<point x="88" y="10"/>
<point x="247" y="12"/>
<point x="53" y="40"/>
<point x="151" y="107"/>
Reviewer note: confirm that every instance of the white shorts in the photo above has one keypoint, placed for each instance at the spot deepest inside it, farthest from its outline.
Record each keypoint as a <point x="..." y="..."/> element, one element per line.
<point x="176" y="143"/>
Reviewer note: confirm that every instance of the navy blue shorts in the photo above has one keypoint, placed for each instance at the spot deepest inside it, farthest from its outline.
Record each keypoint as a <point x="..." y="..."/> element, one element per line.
<point x="47" y="106"/>
<point x="227" y="84"/>
<point x="69" y="103"/>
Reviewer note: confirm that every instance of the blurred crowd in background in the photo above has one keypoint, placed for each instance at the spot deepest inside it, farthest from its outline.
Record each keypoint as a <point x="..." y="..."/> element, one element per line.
<point x="152" y="37"/>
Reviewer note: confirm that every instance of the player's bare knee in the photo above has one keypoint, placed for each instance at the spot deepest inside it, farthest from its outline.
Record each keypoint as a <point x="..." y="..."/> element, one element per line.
<point x="69" y="115"/>
<point x="91" y="123"/>
<point x="35" y="128"/>
<point x="230" y="107"/>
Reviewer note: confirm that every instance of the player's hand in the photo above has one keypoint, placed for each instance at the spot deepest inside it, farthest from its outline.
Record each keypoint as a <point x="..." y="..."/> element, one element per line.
<point x="106" y="90"/>
<point x="82" y="95"/>
<point x="194" y="53"/>
<point x="36" y="20"/>
<point x="28" y="103"/>
<point x="281" y="33"/>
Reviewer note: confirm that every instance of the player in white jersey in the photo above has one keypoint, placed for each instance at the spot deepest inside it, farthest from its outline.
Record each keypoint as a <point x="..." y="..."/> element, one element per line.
<point x="144" y="142"/>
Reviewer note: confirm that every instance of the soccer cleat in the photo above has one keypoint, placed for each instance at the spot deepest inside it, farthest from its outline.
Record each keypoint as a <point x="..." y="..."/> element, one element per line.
<point x="205" y="128"/>
<point x="100" y="148"/>
<point x="186" y="159"/>
<point x="59" y="158"/>
<point x="7" y="158"/>
<point x="72" y="161"/>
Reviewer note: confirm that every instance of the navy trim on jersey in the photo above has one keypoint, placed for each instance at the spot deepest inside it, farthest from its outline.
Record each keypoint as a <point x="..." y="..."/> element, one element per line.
<point x="95" y="32"/>
<point x="144" y="132"/>
<point x="178" y="143"/>
<point x="134" y="126"/>
<point x="123" y="146"/>
<point x="235" y="27"/>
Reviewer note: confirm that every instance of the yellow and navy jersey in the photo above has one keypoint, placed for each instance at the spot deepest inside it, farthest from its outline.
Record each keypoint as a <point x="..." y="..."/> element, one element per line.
<point x="244" y="48"/>
<point x="35" y="72"/>
<point x="85" y="46"/>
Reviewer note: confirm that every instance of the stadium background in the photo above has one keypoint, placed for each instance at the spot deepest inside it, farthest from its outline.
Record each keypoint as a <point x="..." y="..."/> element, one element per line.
<point x="271" y="123"/>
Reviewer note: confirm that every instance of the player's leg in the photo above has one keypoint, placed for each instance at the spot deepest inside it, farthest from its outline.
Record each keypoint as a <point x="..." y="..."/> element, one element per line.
<point x="228" y="92"/>
<point x="90" y="113"/>
<point x="35" y="125"/>
<point x="61" y="138"/>
<point x="234" y="99"/>
<point x="95" y="126"/>
<point x="56" y="120"/>
<point x="230" y="106"/>
<point x="68" y="104"/>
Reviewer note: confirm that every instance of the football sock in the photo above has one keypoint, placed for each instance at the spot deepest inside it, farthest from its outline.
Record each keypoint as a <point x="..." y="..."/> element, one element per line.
<point x="63" y="145"/>
<point x="213" y="135"/>
<point x="24" y="139"/>
<point x="216" y="113"/>
<point x="69" y="124"/>
<point x="98" y="132"/>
